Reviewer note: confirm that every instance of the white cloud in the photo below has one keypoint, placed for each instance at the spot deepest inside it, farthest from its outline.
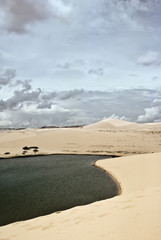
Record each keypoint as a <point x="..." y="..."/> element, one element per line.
<point x="61" y="8"/>
<point x="156" y="101"/>
<point x="5" y="120"/>
<point x="33" y="109"/>
<point x="152" y="114"/>
<point x="117" y="117"/>
<point x="149" y="58"/>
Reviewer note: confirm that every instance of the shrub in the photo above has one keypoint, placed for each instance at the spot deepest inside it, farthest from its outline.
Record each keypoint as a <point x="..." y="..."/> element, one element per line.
<point x="26" y="148"/>
<point x="33" y="147"/>
<point x="35" y="150"/>
<point x="24" y="152"/>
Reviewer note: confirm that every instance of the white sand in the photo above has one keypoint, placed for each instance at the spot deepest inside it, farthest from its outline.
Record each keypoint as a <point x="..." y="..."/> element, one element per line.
<point x="108" y="137"/>
<point x="135" y="214"/>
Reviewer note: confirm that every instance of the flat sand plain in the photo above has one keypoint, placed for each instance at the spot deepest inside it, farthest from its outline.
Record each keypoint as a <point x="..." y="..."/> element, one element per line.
<point x="135" y="214"/>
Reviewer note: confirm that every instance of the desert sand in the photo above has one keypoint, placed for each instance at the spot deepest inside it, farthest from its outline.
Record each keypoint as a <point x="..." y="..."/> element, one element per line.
<point x="108" y="137"/>
<point x="134" y="214"/>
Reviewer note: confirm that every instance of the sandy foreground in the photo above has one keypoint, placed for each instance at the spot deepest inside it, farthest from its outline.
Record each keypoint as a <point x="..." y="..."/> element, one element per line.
<point x="135" y="214"/>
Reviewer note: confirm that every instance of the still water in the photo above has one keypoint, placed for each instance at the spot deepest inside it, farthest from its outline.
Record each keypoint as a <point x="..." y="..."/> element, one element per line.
<point x="36" y="186"/>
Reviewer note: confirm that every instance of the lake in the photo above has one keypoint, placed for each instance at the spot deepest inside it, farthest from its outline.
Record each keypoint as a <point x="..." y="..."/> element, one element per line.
<point x="40" y="185"/>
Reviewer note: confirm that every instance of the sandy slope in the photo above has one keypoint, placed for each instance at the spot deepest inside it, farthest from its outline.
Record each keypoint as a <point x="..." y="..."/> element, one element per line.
<point x="120" y="124"/>
<point x="111" y="123"/>
<point x="134" y="215"/>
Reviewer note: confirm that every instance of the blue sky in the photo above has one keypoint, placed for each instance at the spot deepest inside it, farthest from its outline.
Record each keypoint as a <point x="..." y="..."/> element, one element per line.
<point x="103" y="48"/>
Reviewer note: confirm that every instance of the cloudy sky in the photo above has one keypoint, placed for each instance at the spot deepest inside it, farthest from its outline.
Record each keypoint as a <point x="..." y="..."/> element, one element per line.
<point x="69" y="62"/>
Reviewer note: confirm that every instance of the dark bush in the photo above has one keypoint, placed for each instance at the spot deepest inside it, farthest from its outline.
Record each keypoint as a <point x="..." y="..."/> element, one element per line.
<point x="24" y="152"/>
<point x="26" y="148"/>
<point x="33" y="147"/>
<point x="35" y="150"/>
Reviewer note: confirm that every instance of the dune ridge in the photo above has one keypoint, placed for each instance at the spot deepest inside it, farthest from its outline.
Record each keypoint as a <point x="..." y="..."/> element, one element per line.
<point x="111" y="123"/>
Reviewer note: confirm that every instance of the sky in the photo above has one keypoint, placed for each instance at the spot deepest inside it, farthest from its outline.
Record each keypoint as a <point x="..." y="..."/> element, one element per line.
<point x="75" y="62"/>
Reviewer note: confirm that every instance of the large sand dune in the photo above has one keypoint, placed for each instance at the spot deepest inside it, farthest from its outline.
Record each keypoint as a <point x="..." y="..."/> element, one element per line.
<point x="120" y="124"/>
<point x="111" y="123"/>
<point x="135" y="214"/>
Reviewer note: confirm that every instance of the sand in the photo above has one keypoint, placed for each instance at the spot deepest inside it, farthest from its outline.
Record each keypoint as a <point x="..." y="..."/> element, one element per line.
<point x="134" y="214"/>
<point x="108" y="137"/>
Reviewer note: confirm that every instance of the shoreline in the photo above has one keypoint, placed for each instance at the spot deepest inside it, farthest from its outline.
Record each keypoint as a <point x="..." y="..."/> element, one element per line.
<point x="50" y="154"/>
<point x="119" y="166"/>
<point x="112" y="176"/>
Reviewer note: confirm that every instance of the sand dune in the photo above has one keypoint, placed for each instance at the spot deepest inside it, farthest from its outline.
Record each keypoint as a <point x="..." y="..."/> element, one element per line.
<point x="104" y="124"/>
<point x="110" y="123"/>
<point x="121" y="124"/>
<point x="135" y="214"/>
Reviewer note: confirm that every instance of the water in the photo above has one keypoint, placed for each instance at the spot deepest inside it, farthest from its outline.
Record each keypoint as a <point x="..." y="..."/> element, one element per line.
<point x="36" y="186"/>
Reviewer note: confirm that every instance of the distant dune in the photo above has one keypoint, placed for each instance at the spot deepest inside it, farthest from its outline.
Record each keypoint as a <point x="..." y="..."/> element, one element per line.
<point x="111" y="123"/>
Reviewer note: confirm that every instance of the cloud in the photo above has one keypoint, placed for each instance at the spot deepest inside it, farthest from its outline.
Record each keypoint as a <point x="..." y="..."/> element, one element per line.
<point x="117" y="117"/>
<point x="61" y="8"/>
<point x="48" y="96"/>
<point x="16" y="15"/>
<point x="70" y="94"/>
<point x="156" y="101"/>
<point x="98" y="71"/>
<point x="155" y="78"/>
<point x="63" y="95"/>
<point x="29" y="107"/>
<point x="7" y="76"/>
<point x="65" y="65"/>
<point x="149" y="58"/>
<point x="34" y="118"/>
<point x="44" y="105"/>
<point x="103" y="34"/>
<point x="152" y="113"/>
<point x="115" y="15"/>
<point x="2" y="105"/>
<point x="20" y="97"/>
<point x="26" y="84"/>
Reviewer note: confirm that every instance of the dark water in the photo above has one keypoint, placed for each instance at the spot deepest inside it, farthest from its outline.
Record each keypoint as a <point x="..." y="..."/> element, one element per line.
<point x="36" y="186"/>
